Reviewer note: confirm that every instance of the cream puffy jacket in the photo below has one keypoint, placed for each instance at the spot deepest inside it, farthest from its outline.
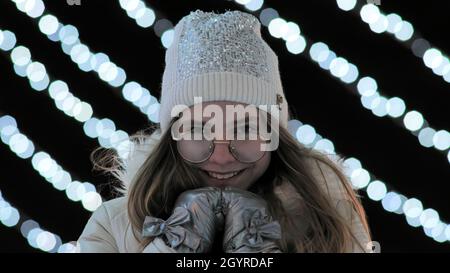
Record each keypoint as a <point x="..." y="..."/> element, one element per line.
<point x="109" y="230"/>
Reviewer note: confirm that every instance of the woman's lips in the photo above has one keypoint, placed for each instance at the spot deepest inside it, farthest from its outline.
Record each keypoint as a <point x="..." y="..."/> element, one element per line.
<point x="222" y="178"/>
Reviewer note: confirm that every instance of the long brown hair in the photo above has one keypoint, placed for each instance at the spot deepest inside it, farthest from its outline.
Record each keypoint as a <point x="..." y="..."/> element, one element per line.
<point x="164" y="175"/>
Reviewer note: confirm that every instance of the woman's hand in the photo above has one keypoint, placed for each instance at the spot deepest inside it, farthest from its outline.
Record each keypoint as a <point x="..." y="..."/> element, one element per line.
<point x="196" y="216"/>
<point x="249" y="227"/>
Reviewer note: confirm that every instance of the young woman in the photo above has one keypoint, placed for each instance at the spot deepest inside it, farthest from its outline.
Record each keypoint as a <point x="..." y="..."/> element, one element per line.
<point x="184" y="194"/>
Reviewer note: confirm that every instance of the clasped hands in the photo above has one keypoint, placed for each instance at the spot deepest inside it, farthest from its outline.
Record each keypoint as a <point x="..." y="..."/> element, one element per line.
<point x="198" y="214"/>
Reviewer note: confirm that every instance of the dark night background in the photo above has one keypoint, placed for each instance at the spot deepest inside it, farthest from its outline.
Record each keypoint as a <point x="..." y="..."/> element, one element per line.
<point x="385" y="149"/>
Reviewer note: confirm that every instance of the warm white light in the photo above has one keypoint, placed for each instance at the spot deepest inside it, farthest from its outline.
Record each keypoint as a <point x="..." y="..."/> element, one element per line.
<point x="441" y="140"/>
<point x="360" y="178"/>
<point x="276" y="26"/>
<point x="8" y="40"/>
<point x="120" y="78"/>
<point x="19" y="143"/>
<point x="296" y="46"/>
<point x="395" y="107"/>
<point x="243" y="2"/>
<point x="413" y="208"/>
<point x="80" y="53"/>
<point x="346" y="5"/>
<point x="429" y="218"/>
<point x="48" y="24"/>
<point x="426" y="137"/>
<point x="379" y="107"/>
<point x="98" y="59"/>
<point x="393" y="21"/>
<point x="432" y="58"/>
<point x="46" y="241"/>
<point x="391" y="202"/>
<point x="90" y="127"/>
<point x="339" y="67"/>
<point x="351" y="75"/>
<point x="9" y="216"/>
<point x="37" y="9"/>
<point x="324" y="145"/>
<point x="330" y="56"/>
<point x="352" y="164"/>
<point x="167" y="38"/>
<point x="380" y="25"/>
<point x="75" y="191"/>
<point x="370" y="13"/>
<point x="367" y="86"/>
<point x="306" y="134"/>
<point x="107" y="71"/>
<point x="21" y="56"/>
<point x="91" y="201"/>
<point x="105" y="127"/>
<point x="368" y="101"/>
<point x="254" y="5"/>
<point x="316" y="50"/>
<point x="413" y="120"/>
<point x="405" y="32"/>
<point x="376" y="190"/>
<point x="292" y="33"/>
<point x="36" y="71"/>
<point x="129" y="5"/>
<point x="147" y="18"/>
<point x="82" y="111"/>
<point x="68" y="35"/>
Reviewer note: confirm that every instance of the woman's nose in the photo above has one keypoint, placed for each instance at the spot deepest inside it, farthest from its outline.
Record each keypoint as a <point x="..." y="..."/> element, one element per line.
<point x="221" y="154"/>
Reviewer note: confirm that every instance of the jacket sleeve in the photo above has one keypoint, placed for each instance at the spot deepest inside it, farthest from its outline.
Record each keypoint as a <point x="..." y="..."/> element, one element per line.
<point x="97" y="236"/>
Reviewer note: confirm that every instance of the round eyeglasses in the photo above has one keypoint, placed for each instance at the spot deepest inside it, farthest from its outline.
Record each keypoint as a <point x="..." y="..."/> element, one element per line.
<point x="198" y="151"/>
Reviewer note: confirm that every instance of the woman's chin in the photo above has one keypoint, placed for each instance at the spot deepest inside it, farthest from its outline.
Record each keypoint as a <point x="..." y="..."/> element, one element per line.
<point x="224" y="185"/>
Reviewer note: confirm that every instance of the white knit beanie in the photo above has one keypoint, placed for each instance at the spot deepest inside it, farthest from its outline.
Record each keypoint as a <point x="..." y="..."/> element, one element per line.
<point x="220" y="57"/>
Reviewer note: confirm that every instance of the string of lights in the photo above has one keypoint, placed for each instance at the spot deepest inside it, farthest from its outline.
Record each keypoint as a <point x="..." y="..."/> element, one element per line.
<point x="47" y="167"/>
<point x="379" y="105"/>
<point x="31" y="230"/>
<point x="377" y="190"/>
<point x="145" y="17"/>
<point x="87" y="61"/>
<point x="104" y="130"/>
<point x="404" y="32"/>
<point x="366" y="88"/>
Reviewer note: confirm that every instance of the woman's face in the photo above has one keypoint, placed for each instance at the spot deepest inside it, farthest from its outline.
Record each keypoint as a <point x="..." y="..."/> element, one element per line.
<point x="222" y="168"/>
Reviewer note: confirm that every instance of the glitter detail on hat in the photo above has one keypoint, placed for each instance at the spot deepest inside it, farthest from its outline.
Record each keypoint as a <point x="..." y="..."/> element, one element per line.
<point x="229" y="42"/>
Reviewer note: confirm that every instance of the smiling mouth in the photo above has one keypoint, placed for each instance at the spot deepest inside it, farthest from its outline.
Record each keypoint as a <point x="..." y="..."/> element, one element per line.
<point x="222" y="176"/>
